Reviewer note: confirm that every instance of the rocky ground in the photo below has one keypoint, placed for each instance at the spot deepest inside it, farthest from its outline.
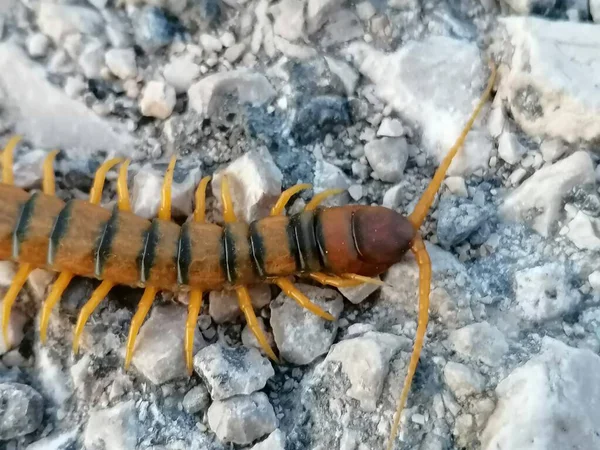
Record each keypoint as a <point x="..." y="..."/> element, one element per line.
<point x="363" y="96"/>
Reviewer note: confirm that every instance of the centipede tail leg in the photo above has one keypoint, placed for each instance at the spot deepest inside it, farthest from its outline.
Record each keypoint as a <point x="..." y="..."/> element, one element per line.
<point x="293" y="292"/>
<point x="419" y="250"/>
<point x="195" y="295"/>
<point x="332" y="280"/>
<point x="101" y="291"/>
<point x="164" y="213"/>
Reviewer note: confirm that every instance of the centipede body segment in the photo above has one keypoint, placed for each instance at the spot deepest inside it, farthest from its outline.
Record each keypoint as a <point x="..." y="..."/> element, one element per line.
<point x="338" y="246"/>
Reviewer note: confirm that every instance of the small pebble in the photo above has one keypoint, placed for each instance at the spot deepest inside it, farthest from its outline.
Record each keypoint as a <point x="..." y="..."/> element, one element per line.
<point x="158" y="100"/>
<point x="37" y="45"/>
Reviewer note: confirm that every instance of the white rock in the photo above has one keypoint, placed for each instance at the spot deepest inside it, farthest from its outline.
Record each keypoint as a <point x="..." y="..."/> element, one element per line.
<point x="457" y="186"/>
<point x="435" y="83"/>
<point x="345" y="72"/>
<point x="357" y="294"/>
<point x="162" y="332"/>
<point x="561" y="385"/>
<point x="301" y="335"/>
<point x="481" y="342"/>
<point x="37" y="45"/>
<point x="496" y="121"/>
<point x="15" y="329"/>
<point x="121" y="62"/>
<point x="545" y="189"/>
<point x="227" y="39"/>
<point x="390" y="128"/>
<point x="254" y="183"/>
<point x="147" y="187"/>
<point x="289" y="19"/>
<point x="275" y="441"/>
<point x="247" y="370"/>
<point x="552" y="149"/>
<point x="294" y="51"/>
<point x="91" y="60"/>
<point x="116" y="428"/>
<point x="544" y="292"/>
<point x="594" y="280"/>
<point x="181" y="72"/>
<point x="317" y="12"/>
<point x="59" y="20"/>
<point x="55" y="441"/>
<point x="509" y="148"/>
<point x="250" y="340"/>
<point x="235" y="52"/>
<point x="365" y="10"/>
<point x="75" y="86"/>
<point x="158" y="100"/>
<point x="249" y="87"/>
<point x="550" y="87"/>
<point x="22" y="410"/>
<point x="224" y="305"/>
<point x="196" y="399"/>
<point x="393" y="196"/>
<point x="329" y="176"/>
<point x="388" y="157"/>
<point x="365" y="361"/>
<point x="462" y="380"/>
<point x="584" y="231"/>
<point x="595" y="10"/>
<point x="210" y="43"/>
<point x="356" y="192"/>
<point x="242" y="419"/>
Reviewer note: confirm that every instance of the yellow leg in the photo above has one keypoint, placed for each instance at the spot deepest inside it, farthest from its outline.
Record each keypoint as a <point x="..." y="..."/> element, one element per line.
<point x="228" y="212"/>
<point x="246" y="307"/>
<point x="422" y="208"/>
<point x="137" y="321"/>
<point x="420" y="251"/>
<point x="164" y="212"/>
<point x="122" y="190"/>
<point x="49" y="183"/>
<point x="332" y="280"/>
<point x="363" y="279"/>
<point x="8" y="176"/>
<point x="99" y="179"/>
<point x="199" y="212"/>
<point x="190" y="328"/>
<point x="11" y="296"/>
<point x="293" y="292"/>
<point x="58" y="288"/>
<point x="317" y="199"/>
<point x="285" y="197"/>
<point x="99" y="294"/>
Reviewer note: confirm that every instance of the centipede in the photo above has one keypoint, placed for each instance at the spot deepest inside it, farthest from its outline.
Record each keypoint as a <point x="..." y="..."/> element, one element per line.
<point x="338" y="246"/>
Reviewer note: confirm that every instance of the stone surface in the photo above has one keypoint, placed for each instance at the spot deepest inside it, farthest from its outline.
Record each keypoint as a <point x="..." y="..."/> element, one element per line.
<point x="357" y="294"/>
<point x="21" y="410"/>
<point x="196" y="399"/>
<point x="481" y="342"/>
<point x="116" y="428"/>
<point x="388" y="157"/>
<point x="15" y="330"/>
<point x="275" y="441"/>
<point x="181" y="72"/>
<point x="37" y="45"/>
<point x="462" y="380"/>
<point x="162" y="332"/>
<point x="458" y="219"/>
<point x="289" y="19"/>
<point x="302" y="336"/>
<point x="158" y="100"/>
<point x="242" y="419"/>
<point x="558" y="386"/>
<point x="224" y="305"/>
<point x="584" y="231"/>
<point x="436" y="83"/>
<point x="59" y="20"/>
<point x="509" y="148"/>
<point x="550" y="86"/>
<point x="230" y="371"/>
<point x="121" y="62"/>
<point x="539" y="199"/>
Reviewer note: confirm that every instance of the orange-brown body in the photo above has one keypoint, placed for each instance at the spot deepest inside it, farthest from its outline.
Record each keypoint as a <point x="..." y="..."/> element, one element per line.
<point x="91" y="241"/>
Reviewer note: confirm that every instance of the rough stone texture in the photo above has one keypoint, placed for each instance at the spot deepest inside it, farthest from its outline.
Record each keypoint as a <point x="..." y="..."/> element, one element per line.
<point x="458" y="219"/>
<point x="56" y="441"/>
<point x="15" y="330"/>
<point x="436" y="83"/>
<point x="21" y="410"/>
<point x="22" y="85"/>
<point x="58" y="21"/>
<point x="357" y="294"/>
<point x="481" y="342"/>
<point x="121" y="62"/>
<point x="275" y="441"/>
<point x="224" y="306"/>
<point x="162" y="332"/>
<point x="302" y="336"/>
<point x="462" y="380"/>
<point x="584" y="231"/>
<point x="388" y="157"/>
<point x="196" y="399"/>
<point x="539" y="199"/>
<point x="116" y="428"/>
<point x="242" y="419"/>
<point x="550" y="86"/>
<point x="230" y="371"/>
<point x="560" y="385"/>
<point x="158" y="100"/>
<point x="181" y="73"/>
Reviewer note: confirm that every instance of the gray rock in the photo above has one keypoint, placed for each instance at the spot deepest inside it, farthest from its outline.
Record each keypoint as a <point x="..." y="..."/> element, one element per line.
<point x="559" y="385"/>
<point x="462" y="380"/>
<point x="197" y="399"/>
<point x="15" y="330"/>
<point x="595" y="10"/>
<point x="390" y="128"/>
<point x="56" y="441"/>
<point x="59" y="20"/>
<point x="357" y="294"/>
<point x="115" y="428"/>
<point x="37" y="45"/>
<point x="481" y="342"/>
<point x="328" y="176"/>
<point x="509" y="148"/>
<point x="345" y="72"/>
<point x="158" y="100"/>
<point x="181" y="72"/>
<point x="458" y="219"/>
<point x="153" y="29"/>
<point x="235" y="52"/>
<point x="242" y="419"/>
<point x="230" y="371"/>
<point x="121" y="62"/>
<point x="224" y="305"/>
<point x="158" y="351"/>
<point x="91" y="60"/>
<point x="388" y="157"/>
<point x="302" y="336"/>
<point x="317" y="12"/>
<point x="289" y="19"/>
<point x="21" y="410"/>
<point x="275" y="441"/>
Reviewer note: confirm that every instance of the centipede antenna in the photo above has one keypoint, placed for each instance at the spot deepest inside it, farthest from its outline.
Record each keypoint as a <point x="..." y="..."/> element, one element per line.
<point x="97" y="296"/>
<point x="137" y="321"/>
<point x="420" y="251"/>
<point x="49" y="182"/>
<point x="122" y="190"/>
<point x="422" y="208"/>
<point x="318" y="198"/>
<point x="293" y="292"/>
<point x="190" y="328"/>
<point x="99" y="179"/>
<point x="246" y="307"/>
<point x="164" y="212"/>
<point x="200" y="211"/>
<point x="285" y="197"/>
<point x="8" y="176"/>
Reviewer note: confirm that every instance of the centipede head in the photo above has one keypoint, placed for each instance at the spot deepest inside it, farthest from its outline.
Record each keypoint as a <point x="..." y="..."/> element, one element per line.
<point x="381" y="236"/>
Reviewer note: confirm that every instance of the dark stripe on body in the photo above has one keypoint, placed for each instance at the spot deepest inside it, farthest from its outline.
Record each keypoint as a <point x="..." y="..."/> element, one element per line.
<point x="104" y="246"/>
<point x="20" y="231"/>
<point x="59" y="230"/>
<point x="257" y="250"/>
<point x="293" y="243"/>
<point x="146" y="257"/>
<point x="320" y="239"/>
<point x="228" y="255"/>
<point x="305" y="236"/>
<point x="184" y="255"/>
